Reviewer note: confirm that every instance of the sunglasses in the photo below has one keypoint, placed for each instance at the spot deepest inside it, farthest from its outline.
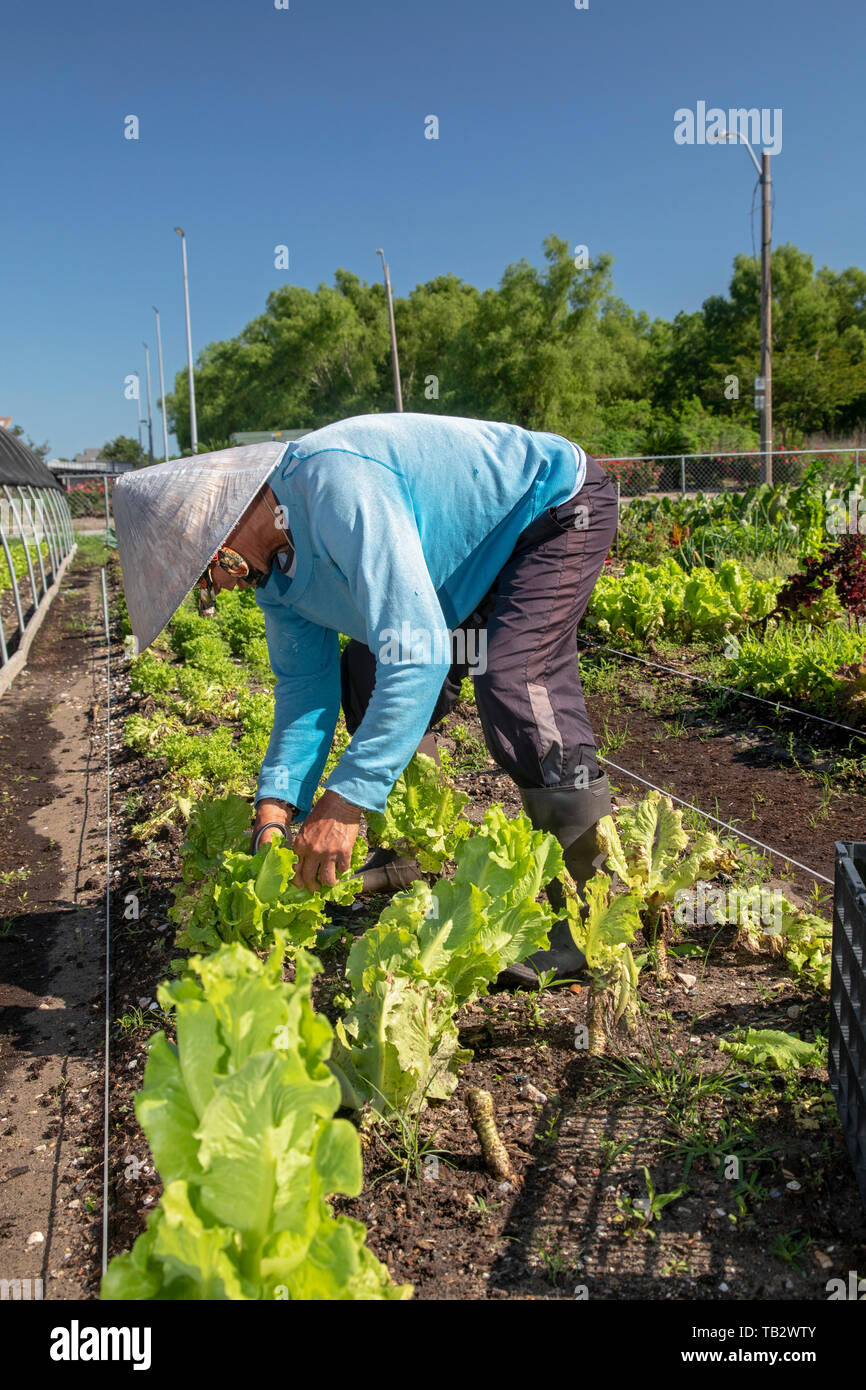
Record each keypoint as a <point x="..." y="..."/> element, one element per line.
<point x="231" y="563"/>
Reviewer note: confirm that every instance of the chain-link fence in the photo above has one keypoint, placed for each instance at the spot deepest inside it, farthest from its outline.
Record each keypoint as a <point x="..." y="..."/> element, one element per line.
<point x="653" y="473"/>
<point x="36" y="540"/>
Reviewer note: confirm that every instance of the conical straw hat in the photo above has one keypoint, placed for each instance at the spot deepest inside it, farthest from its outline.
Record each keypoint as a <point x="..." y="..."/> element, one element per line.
<point x="171" y="518"/>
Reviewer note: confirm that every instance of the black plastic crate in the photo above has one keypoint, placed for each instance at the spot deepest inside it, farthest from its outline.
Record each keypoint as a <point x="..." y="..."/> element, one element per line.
<point x="847" y="1062"/>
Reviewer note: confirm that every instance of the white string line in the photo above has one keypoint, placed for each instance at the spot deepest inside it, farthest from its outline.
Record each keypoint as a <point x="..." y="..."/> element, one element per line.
<point x="741" y="834"/>
<point x="732" y="690"/>
<point x="107" y="920"/>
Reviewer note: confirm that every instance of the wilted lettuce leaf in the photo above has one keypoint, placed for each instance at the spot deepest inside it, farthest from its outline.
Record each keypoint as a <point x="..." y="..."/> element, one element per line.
<point x="770" y="1048"/>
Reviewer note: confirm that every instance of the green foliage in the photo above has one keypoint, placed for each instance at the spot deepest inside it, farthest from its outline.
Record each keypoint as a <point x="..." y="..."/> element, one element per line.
<point x="767" y="521"/>
<point x="798" y="663"/>
<point x="552" y="348"/>
<point x="432" y="951"/>
<point x="239" y="1117"/>
<point x="776" y="1051"/>
<point x="19" y="564"/>
<point x="207" y="682"/>
<point x="807" y="945"/>
<point x="604" y="932"/>
<point x="214" y="828"/>
<point x="422" y="815"/>
<point x="655" y="600"/>
<point x="227" y="894"/>
<point x="251" y="897"/>
<point x="150" y="675"/>
<point x="124" y="449"/>
<point x="646" y="849"/>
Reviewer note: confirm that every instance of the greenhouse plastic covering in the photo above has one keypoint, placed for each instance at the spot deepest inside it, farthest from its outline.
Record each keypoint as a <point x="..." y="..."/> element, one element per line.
<point x="20" y="467"/>
<point x="36" y="540"/>
<point x="170" y="519"/>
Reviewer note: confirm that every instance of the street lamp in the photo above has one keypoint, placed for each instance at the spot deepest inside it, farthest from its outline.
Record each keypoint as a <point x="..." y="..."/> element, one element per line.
<point x="193" y="427"/>
<point x="161" y="384"/>
<point x="394" y="358"/>
<point x="138" y="413"/>
<point x="149" y="404"/>
<point x="765" y="381"/>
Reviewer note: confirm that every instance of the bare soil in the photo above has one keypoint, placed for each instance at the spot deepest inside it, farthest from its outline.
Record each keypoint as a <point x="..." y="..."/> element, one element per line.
<point x="52" y="876"/>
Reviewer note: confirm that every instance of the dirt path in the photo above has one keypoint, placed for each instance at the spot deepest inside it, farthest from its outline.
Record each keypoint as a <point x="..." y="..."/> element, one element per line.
<point x="52" y="888"/>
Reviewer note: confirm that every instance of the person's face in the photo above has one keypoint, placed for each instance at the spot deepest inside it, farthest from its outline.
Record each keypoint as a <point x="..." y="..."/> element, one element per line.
<point x="222" y="580"/>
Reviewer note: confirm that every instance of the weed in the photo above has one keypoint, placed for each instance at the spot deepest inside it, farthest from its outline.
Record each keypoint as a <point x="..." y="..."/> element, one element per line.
<point x="552" y="1258"/>
<point x="676" y="1087"/>
<point x="483" y="1208"/>
<point x="790" y="1246"/>
<point x="398" y="1132"/>
<point x="638" y="1213"/>
<point x="133" y="1021"/>
<point x="612" y="740"/>
<point x="548" y="1136"/>
<point x="19" y="875"/>
<point x="610" y="1150"/>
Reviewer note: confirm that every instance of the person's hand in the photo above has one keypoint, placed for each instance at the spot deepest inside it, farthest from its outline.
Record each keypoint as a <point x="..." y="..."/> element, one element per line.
<point x="269" y="809"/>
<point x="325" y="842"/>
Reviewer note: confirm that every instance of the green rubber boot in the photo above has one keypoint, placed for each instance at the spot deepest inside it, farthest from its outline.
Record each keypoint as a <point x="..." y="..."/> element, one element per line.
<point x="571" y="814"/>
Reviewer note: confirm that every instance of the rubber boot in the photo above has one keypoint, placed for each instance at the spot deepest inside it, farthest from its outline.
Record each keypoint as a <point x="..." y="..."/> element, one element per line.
<point x="384" y="870"/>
<point x="571" y="814"/>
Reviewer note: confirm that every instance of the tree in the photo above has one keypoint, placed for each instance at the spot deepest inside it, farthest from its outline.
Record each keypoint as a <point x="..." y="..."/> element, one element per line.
<point x="41" y="450"/>
<point x="552" y="349"/>
<point x="121" y="450"/>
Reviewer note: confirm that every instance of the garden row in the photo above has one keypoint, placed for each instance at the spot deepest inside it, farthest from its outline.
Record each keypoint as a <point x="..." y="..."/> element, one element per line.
<point x="240" y="1110"/>
<point x="765" y="586"/>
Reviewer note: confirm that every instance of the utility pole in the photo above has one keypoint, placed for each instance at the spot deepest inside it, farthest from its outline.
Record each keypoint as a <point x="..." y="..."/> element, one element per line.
<point x="766" y="322"/>
<point x="149" y="402"/>
<point x="193" y="426"/>
<point x="764" y="383"/>
<point x="161" y="385"/>
<point x="394" y="358"/>
<point x="138" y="413"/>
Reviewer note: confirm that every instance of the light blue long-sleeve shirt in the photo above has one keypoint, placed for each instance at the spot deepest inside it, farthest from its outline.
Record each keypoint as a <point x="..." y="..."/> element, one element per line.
<point x="400" y="524"/>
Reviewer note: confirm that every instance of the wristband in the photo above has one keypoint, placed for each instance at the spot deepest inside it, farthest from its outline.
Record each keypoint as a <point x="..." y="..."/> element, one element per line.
<point x="268" y="825"/>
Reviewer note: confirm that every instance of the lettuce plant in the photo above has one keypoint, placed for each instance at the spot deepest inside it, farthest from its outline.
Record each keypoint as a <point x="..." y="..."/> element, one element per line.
<point x="646" y="849"/>
<point x="432" y="951"/>
<point x="799" y="663"/>
<point x="651" y="600"/>
<point x="422" y="815"/>
<point x="604" y="931"/>
<point x="251" y="897"/>
<point x="240" y="1119"/>
<point x="806" y="943"/>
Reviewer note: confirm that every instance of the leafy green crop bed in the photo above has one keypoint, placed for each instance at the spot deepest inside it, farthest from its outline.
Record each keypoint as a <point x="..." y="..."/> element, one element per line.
<point x="618" y="1107"/>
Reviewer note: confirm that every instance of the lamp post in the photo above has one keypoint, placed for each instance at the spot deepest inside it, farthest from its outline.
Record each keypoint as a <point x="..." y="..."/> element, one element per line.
<point x="149" y="401"/>
<point x="764" y="384"/>
<point x="394" y="358"/>
<point x="161" y="385"/>
<point x="193" y="427"/>
<point x="138" y="413"/>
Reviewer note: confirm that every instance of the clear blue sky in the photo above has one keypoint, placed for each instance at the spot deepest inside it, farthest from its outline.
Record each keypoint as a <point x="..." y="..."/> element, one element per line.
<point x="305" y="126"/>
